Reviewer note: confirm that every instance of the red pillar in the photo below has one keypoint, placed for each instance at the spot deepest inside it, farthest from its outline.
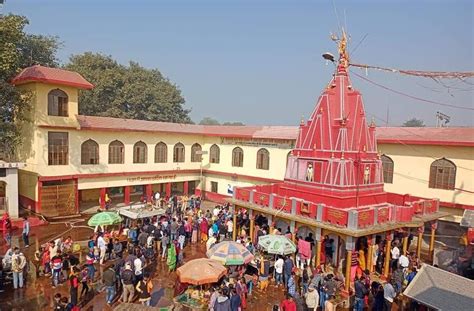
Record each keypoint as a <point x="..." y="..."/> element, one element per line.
<point x="126" y="195"/>
<point x="168" y="189"/>
<point x="38" y="203"/>
<point x="102" y="197"/>
<point x="76" y="194"/>
<point x="149" y="192"/>
<point x="186" y="188"/>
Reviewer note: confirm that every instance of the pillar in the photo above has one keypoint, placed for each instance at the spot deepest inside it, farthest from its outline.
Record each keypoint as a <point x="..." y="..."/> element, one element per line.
<point x="126" y="195"/>
<point x="76" y="195"/>
<point x="252" y="228"/>
<point x="369" y="254"/>
<point x="103" y="191"/>
<point x="350" y="246"/>
<point x="149" y="192"/>
<point x="434" y="225"/>
<point x="40" y="189"/>
<point x="234" y="220"/>
<point x="318" y="235"/>
<point x="168" y="189"/>
<point x="420" y="241"/>
<point x="386" y="266"/>
<point x="405" y="243"/>
<point x="294" y="230"/>
<point x="186" y="188"/>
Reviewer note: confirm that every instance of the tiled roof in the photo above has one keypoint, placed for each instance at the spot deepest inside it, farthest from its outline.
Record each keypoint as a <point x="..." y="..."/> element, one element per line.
<point x="391" y="135"/>
<point x="454" y="136"/>
<point x="43" y="74"/>
<point x="116" y="124"/>
<point x="441" y="290"/>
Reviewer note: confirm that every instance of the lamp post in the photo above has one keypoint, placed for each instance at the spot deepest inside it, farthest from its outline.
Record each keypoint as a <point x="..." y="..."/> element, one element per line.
<point x="201" y="153"/>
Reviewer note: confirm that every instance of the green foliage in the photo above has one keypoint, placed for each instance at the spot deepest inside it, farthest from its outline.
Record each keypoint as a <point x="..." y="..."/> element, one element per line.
<point x="209" y="121"/>
<point x="414" y="122"/>
<point x="132" y="91"/>
<point x="17" y="51"/>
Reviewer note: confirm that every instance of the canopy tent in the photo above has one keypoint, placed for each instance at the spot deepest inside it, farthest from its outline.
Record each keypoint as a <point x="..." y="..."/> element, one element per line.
<point x="441" y="290"/>
<point x="140" y="211"/>
<point x="104" y="219"/>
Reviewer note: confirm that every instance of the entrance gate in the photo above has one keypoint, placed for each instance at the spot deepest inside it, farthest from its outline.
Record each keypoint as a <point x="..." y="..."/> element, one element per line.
<point x="58" y="200"/>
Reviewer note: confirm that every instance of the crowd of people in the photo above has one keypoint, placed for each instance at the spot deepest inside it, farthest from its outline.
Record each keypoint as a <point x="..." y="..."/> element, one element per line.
<point x="127" y="256"/>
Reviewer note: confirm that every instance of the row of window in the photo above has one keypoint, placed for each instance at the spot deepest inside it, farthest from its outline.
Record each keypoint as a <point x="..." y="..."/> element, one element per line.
<point x="58" y="150"/>
<point x="442" y="173"/>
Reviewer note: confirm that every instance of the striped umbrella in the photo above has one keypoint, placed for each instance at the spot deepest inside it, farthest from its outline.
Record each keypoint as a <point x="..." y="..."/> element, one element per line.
<point x="201" y="271"/>
<point x="230" y="253"/>
<point x="277" y="244"/>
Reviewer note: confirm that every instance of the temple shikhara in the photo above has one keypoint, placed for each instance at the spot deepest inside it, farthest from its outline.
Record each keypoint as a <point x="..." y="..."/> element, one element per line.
<point x="333" y="184"/>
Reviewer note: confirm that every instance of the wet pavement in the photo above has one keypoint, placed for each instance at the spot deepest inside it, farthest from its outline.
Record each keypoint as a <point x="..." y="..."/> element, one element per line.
<point x="38" y="293"/>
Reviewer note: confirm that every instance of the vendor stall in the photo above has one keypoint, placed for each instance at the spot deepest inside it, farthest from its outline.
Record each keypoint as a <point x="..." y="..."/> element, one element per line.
<point x="140" y="211"/>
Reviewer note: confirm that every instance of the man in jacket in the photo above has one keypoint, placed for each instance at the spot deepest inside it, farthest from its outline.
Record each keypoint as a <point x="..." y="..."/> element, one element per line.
<point x="109" y="279"/>
<point x="312" y="299"/>
<point x="18" y="264"/>
<point x="128" y="279"/>
<point x="360" y="292"/>
<point x="287" y="269"/>
<point x="223" y="301"/>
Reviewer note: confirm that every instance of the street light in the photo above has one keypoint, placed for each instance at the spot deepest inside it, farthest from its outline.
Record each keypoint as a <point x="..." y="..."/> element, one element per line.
<point x="201" y="153"/>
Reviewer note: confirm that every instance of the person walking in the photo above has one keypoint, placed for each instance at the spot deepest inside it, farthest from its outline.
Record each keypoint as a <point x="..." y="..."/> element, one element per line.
<point x="144" y="288"/>
<point x="109" y="279"/>
<point x="389" y="295"/>
<point x="18" y="265"/>
<point x="26" y="231"/>
<point x="360" y="292"/>
<point x="102" y="247"/>
<point x="287" y="269"/>
<point x="7" y="227"/>
<point x="279" y="271"/>
<point x="84" y="281"/>
<point x="312" y="299"/>
<point x="74" y="285"/>
<point x="56" y="266"/>
<point x="128" y="279"/>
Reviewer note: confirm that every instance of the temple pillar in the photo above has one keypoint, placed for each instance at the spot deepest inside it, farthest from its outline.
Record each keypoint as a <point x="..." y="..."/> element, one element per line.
<point x="252" y="228"/>
<point x="294" y="230"/>
<point x="434" y="226"/>
<point x="126" y="195"/>
<point x="370" y="252"/>
<point x="168" y="190"/>
<point x="405" y="242"/>
<point x="319" y="237"/>
<point x="386" y="266"/>
<point x="420" y="241"/>
<point x="350" y="247"/>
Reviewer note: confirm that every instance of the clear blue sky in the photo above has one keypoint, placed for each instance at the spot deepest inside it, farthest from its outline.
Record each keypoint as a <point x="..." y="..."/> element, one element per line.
<point x="260" y="62"/>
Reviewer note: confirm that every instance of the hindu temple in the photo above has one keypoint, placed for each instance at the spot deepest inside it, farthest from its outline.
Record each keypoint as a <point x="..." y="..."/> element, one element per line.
<point x="333" y="185"/>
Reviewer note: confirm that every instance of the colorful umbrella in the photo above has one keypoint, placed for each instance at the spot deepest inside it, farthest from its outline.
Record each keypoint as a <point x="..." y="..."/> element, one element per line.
<point x="230" y="253"/>
<point x="277" y="244"/>
<point x="201" y="271"/>
<point x="104" y="219"/>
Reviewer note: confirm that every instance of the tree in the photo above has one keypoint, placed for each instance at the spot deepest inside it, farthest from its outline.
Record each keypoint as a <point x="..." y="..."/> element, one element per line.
<point x="209" y="121"/>
<point x="414" y="122"/>
<point x="17" y="51"/>
<point x="233" y="123"/>
<point x="131" y="92"/>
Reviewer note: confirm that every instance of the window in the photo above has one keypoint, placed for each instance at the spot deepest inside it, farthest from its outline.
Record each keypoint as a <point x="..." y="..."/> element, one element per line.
<point x="116" y="152"/>
<point x="57" y="103"/>
<point x="196" y="153"/>
<point x="214" y="186"/>
<point x="161" y="153"/>
<point x="214" y="154"/>
<point x="263" y="159"/>
<point x="178" y="153"/>
<point x="237" y="157"/>
<point x="58" y="148"/>
<point x="90" y="152"/>
<point x="139" y="152"/>
<point x="442" y="174"/>
<point x="387" y="165"/>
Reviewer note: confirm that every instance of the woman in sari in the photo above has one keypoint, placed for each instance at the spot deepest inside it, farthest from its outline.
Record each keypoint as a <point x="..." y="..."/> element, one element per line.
<point x="171" y="260"/>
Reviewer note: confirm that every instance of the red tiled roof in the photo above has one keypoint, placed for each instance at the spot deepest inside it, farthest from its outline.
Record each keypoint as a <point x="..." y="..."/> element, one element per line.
<point x="247" y="131"/>
<point x="449" y="136"/>
<point x="43" y="74"/>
